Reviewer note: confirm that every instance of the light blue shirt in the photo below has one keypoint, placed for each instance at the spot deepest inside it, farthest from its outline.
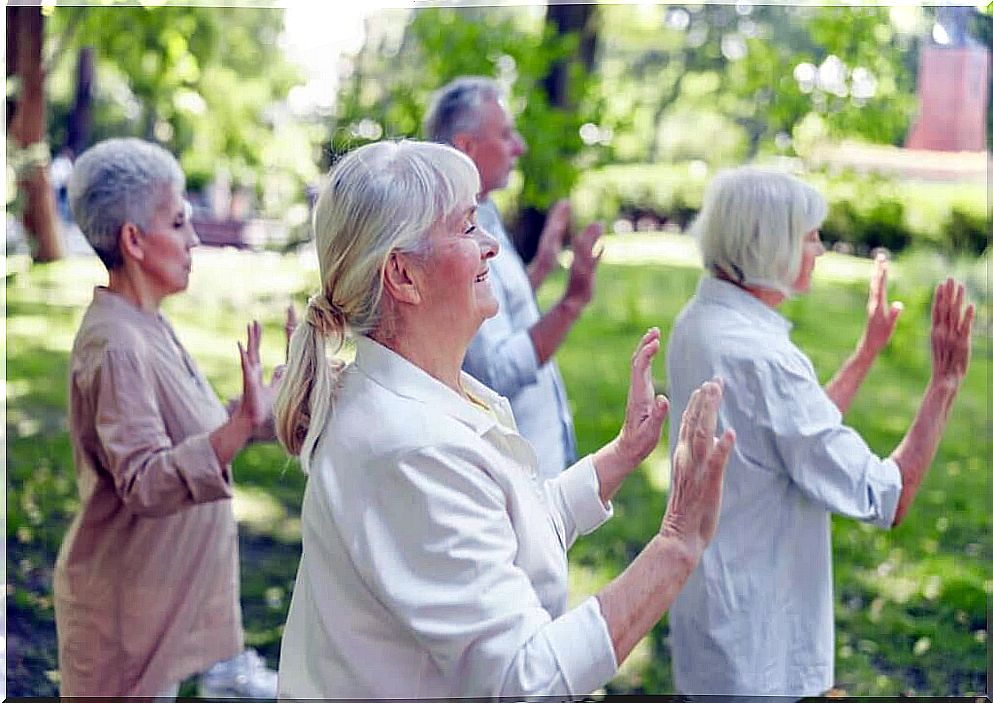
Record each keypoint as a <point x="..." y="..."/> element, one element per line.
<point x="502" y="356"/>
<point x="756" y="616"/>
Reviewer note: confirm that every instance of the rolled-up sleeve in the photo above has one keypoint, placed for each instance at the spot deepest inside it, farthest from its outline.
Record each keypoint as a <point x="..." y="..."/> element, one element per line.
<point x="152" y="476"/>
<point x="575" y="494"/>
<point x="441" y="560"/>
<point x="828" y="460"/>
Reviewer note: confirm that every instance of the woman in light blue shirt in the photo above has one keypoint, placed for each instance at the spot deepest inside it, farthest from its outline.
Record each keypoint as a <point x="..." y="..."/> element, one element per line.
<point x="755" y="617"/>
<point x="434" y="557"/>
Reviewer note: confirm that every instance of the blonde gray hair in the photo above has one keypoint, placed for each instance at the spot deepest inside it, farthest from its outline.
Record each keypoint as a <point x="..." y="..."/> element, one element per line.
<point x="752" y="224"/>
<point x="380" y="198"/>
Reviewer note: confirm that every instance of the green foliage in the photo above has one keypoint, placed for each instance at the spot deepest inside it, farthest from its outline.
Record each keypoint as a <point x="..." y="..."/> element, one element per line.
<point x="967" y="231"/>
<point x="651" y="60"/>
<point x="206" y="82"/>
<point x="864" y="211"/>
<point x="410" y="56"/>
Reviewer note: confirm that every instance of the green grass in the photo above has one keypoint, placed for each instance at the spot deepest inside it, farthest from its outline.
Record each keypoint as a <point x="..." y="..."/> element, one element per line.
<point x="910" y="603"/>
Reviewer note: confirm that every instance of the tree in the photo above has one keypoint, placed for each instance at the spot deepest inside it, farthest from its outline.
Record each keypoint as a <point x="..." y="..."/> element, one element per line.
<point x="25" y="31"/>
<point x="206" y="82"/>
<point x="541" y="60"/>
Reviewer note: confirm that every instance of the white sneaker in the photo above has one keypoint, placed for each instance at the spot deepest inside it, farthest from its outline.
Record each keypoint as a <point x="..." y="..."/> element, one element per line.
<point x="244" y="676"/>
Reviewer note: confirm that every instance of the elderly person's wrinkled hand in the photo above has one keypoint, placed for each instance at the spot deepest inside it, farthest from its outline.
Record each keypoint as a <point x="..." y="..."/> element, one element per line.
<point x="951" y="333"/>
<point x="643" y="418"/>
<point x="550" y="243"/>
<point x="257" y="397"/>
<point x="582" y="273"/>
<point x="289" y="327"/>
<point x="698" y="470"/>
<point x="881" y="316"/>
<point x="645" y="411"/>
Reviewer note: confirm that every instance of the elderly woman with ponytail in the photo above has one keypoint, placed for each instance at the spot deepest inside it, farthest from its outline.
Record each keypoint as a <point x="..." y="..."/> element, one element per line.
<point x="434" y="558"/>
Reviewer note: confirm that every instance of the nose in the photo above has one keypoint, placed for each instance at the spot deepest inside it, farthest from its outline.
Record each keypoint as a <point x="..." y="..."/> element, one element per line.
<point x="488" y="245"/>
<point x="520" y="146"/>
<point x="192" y="240"/>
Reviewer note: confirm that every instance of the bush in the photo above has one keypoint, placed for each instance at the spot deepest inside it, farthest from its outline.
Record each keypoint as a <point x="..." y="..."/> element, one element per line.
<point x="966" y="231"/>
<point x="864" y="212"/>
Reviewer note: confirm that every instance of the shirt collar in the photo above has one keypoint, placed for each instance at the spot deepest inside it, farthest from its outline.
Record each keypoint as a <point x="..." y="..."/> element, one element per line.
<point x="397" y="374"/>
<point x="120" y="307"/>
<point x="714" y="290"/>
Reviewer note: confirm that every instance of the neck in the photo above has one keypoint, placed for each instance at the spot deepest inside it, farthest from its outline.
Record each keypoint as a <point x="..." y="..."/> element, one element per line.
<point x="772" y="298"/>
<point x="421" y="348"/>
<point x="133" y="289"/>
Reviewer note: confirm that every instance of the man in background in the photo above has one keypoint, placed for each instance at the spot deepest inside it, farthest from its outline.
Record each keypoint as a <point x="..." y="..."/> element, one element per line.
<point x="513" y="351"/>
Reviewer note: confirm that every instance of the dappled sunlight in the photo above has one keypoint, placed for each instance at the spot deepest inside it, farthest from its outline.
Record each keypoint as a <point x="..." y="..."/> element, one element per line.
<point x="656" y="467"/>
<point x="259" y="511"/>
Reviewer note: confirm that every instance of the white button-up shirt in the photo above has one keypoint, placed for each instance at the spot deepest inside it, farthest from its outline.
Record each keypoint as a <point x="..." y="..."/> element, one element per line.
<point x="434" y="559"/>
<point x="756" y="616"/>
<point x="503" y="357"/>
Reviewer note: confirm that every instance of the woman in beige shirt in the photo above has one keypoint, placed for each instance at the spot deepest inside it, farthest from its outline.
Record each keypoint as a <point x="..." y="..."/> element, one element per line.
<point x="146" y="581"/>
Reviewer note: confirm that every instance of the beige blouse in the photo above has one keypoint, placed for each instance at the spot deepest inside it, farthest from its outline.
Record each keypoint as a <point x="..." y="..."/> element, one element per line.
<point x="146" y="581"/>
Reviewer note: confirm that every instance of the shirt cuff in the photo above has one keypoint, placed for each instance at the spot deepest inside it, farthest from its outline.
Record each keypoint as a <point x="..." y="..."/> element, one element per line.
<point x="885" y="485"/>
<point x="581" y="643"/>
<point x="580" y="489"/>
<point x="205" y="477"/>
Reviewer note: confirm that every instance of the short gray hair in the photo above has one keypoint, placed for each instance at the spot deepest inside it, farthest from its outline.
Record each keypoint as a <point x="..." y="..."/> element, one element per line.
<point x="752" y="224"/>
<point x="119" y="181"/>
<point x="454" y="108"/>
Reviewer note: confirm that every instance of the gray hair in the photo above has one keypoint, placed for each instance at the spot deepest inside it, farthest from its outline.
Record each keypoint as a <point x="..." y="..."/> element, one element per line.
<point x="752" y="224"/>
<point x="380" y="198"/>
<point x="454" y="108"/>
<point x="116" y="182"/>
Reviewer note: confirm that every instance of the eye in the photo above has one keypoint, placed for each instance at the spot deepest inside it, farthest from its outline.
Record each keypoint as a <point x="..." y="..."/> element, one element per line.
<point x="470" y="228"/>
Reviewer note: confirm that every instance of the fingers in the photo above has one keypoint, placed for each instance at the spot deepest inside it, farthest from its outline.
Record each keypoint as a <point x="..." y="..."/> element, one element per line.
<point x="719" y="454"/>
<point x="646" y="339"/>
<point x="700" y="418"/>
<point x="965" y="330"/>
<point x="290" y="327"/>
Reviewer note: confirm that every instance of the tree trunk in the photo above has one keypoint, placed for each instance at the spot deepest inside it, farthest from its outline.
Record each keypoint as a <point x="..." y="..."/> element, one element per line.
<point x="563" y="19"/>
<point x="80" y="118"/>
<point x="27" y="128"/>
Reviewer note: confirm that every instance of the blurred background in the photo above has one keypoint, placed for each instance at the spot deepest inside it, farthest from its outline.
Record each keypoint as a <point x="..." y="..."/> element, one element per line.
<point x="628" y="109"/>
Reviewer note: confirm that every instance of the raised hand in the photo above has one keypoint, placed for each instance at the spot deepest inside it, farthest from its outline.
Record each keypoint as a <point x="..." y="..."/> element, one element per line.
<point x="951" y="333"/>
<point x="582" y="273"/>
<point x="252" y="405"/>
<point x="645" y="411"/>
<point x="881" y="316"/>
<point x="698" y="470"/>
<point x="290" y="326"/>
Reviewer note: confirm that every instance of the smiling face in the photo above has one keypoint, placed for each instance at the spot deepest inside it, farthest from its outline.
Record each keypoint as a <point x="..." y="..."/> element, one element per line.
<point x="812" y="248"/>
<point x="166" y="245"/>
<point x="494" y="146"/>
<point x="454" y="283"/>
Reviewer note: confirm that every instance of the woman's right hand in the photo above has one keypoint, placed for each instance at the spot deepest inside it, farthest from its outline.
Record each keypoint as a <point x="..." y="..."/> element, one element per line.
<point x="951" y="333"/>
<point x="698" y="471"/>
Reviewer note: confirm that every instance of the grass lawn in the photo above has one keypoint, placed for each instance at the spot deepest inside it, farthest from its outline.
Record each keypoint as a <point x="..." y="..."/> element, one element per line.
<point x="910" y="604"/>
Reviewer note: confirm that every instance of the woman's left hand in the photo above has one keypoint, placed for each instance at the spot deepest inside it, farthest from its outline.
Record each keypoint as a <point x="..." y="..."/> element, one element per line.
<point x="881" y="316"/>
<point x="257" y="397"/>
<point x="645" y="411"/>
<point x="643" y="418"/>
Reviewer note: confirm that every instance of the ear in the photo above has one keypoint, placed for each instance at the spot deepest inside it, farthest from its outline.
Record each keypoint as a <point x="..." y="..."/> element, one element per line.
<point x="400" y="279"/>
<point x="130" y="242"/>
<point x="464" y="142"/>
